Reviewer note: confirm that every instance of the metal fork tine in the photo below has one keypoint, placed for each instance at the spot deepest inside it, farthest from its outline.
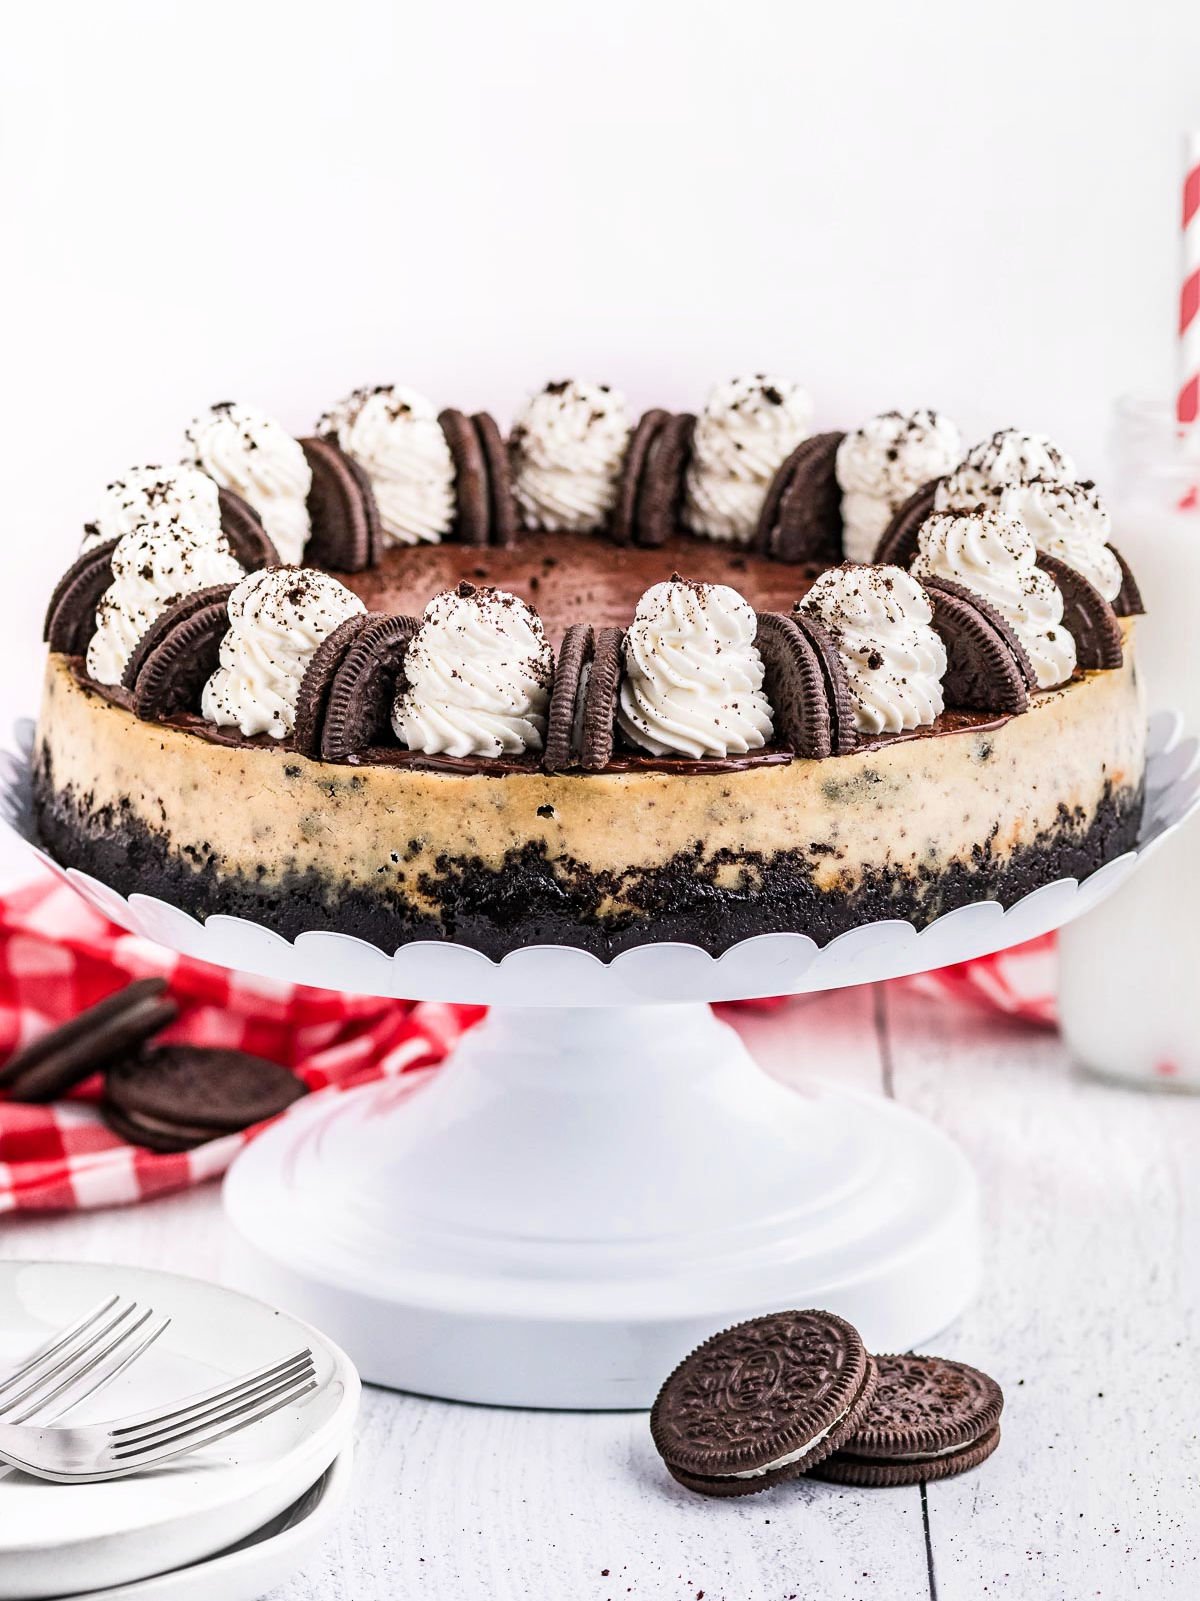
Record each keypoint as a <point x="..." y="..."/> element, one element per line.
<point x="138" y="1422"/>
<point x="69" y="1361"/>
<point x="55" y="1344"/>
<point x="196" y="1440"/>
<point x="107" y="1375"/>
<point x="80" y="1368"/>
<point x="201" y="1417"/>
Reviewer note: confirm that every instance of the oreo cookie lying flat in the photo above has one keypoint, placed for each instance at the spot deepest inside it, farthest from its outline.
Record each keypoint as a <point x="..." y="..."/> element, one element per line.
<point x="174" y="1097"/>
<point x="795" y="686"/>
<point x="312" y="698"/>
<point x="987" y="667"/>
<point x="178" y="654"/>
<point x="763" y="1402"/>
<point x="929" y="1419"/>
<point x="71" y="614"/>
<point x="363" y="687"/>
<point x="1087" y="616"/>
<point x="571" y="673"/>
<point x="346" y="535"/>
<point x="843" y="735"/>
<point x="801" y="517"/>
<point x="473" y="522"/>
<point x="660" y="489"/>
<point x="105" y="1033"/>
<point x="1129" y="598"/>
<point x="623" y="524"/>
<point x="604" y="676"/>
<point x="898" y="543"/>
<point x="505" y="524"/>
<point x="243" y="529"/>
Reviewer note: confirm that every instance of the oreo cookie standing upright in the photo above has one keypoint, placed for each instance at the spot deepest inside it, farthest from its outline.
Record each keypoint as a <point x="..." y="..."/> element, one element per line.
<point x="178" y="653"/>
<point x="987" y="667"/>
<point x="244" y="532"/>
<point x="363" y="687"/>
<point x="1087" y="616"/>
<point x="346" y="535"/>
<point x="473" y="519"/>
<point x="660" y="490"/>
<point x="898" y="543"/>
<point x="801" y="517"/>
<point x="564" y="716"/>
<point x="71" y="614"/>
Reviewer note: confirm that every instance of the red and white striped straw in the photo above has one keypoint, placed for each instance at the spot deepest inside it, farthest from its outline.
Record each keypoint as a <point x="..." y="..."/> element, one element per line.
<point x="1187" y="398"/>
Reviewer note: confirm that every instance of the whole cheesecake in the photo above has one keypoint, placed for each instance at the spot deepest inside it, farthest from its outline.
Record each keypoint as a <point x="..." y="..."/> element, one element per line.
<point x="586" y="837"/>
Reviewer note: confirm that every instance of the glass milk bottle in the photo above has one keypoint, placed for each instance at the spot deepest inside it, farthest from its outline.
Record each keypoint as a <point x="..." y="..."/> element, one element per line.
<point x="1129" y="969"/>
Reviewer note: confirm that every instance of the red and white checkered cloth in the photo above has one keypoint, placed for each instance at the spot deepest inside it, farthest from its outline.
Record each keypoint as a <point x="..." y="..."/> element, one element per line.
<point x="58" y="955"/>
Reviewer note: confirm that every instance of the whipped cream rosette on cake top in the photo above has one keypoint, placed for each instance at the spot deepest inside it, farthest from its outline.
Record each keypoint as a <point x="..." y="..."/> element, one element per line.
<point x="881" y="463"/>
<point x="394" y="435"/>
<point x="151" y="495"/>
<point x="568" y="447"/>
<point x="746" y="431"/>
<point x="251" y="454"/>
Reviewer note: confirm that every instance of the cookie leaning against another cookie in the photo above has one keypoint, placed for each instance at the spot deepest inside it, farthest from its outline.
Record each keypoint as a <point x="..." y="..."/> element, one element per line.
<point x="179" y="1096"/>
<point x="46" y="1068"/>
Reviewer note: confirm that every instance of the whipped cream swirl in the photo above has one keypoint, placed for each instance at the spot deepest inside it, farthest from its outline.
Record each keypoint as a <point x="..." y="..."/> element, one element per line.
<point x="153" y="566"/>
<point x="395" y="437"/>
<point x="995" y="556"/>
<point x="277" y="618"/>
<point x="477" y="677"/>
<point x="256" y="457"/>
<point x="180" y="494"/>
<point x="1069" y="521"/>
<point x="568" y="447"/>
<point x="989" y="468"/>
<point x="693" y="675"/>
<point x="882" y="463"/>
<point x="748" y="427"/>
<point x="879" y="618"/>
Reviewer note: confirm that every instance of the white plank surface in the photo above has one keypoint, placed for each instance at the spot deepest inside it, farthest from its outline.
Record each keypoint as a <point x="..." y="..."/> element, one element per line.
<point x="1088" y="1318"/>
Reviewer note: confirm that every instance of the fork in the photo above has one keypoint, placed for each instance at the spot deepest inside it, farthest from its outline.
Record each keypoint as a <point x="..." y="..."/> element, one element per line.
<point x="78" y="1361"/>
<point x="85" y="1455"/>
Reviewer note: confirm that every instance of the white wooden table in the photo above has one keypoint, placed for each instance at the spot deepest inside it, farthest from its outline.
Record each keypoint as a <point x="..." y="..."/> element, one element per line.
<point x="1088" y="1317"/>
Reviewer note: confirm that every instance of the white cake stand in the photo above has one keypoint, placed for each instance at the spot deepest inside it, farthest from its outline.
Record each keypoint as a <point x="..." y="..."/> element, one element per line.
<point x="599" y="1176"/>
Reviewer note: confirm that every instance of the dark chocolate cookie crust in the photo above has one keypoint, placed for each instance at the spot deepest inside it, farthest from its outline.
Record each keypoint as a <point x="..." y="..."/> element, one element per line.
<point x="713" y="902"/>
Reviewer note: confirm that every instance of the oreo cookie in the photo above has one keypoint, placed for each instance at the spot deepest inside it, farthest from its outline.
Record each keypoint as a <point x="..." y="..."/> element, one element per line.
<point x="1087" y="615"/>
<point x="363" y="687"/>
<point x="929" y="1419"/>
<point x="987" y="667"/>
<point x="763" y="1402"/>
<point x="71" y="614"/>
<point x="505" y="524"/>
<point x="622" y="525"/>
<point x="843" y="735"/>
<point x="346" y="536"/>
<point x="312" y="698"/>
<point x="660" y="489"/>
<point x="795" y="686"/>
<point x="599" y="736"/>
<point x="1129" y="598"/>
<point x="48" y="1067"/>
<point x="178" y="654"/>
<point x="473" y="520"/>
<point x="571" y="673"/>
<point x="801" y="517"/>
<point x="898" y="543"/>
<point x="175" y="1097"/>
<point x="243" y="529"/>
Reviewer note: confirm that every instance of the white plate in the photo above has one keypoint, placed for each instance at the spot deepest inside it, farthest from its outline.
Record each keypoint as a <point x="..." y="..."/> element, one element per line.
<point x="254" y="1566"/>
<point x="53" y="1537"/>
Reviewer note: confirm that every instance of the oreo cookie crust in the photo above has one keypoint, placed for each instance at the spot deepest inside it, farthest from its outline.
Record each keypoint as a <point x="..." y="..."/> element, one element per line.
<point x="363" y="687"/>
<point x="48" y="1067"/>
<point x="762" y="1402"/>
<point x="660" y="491"/>
<point x="1087" y="616"/>
<point x="795" y="686"/>
<point x="183" y="655"/>
<point x="346" y="535"/>
<point x="898" y="543"/>
<point x="473" y="517"/>
<point x="801" y="518"/>
<point x="571" y="673"/>
<point x="929" y="1419"/>
<point x="177" y="1096"/>
<point x="987" y="667"/>
<point x="244" y="532"/>
<point x="71" y="614"/>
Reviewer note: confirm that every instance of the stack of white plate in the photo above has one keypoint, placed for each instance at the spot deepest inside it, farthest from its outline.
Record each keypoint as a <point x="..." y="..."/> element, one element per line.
<point x="231" y="1521"/>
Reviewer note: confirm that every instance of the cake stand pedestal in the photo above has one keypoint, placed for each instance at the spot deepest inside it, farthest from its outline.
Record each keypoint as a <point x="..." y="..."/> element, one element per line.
<point x="599" y="1176"/>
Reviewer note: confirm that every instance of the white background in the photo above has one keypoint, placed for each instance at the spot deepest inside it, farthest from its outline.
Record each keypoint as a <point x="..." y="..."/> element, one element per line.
<point x="953" y="204"/>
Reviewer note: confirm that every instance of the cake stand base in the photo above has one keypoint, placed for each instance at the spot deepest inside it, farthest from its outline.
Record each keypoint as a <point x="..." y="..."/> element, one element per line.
<point x="578" y="1196"/>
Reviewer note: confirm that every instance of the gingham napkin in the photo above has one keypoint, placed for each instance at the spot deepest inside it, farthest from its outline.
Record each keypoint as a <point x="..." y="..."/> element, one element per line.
<point x="58" y="955"/>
